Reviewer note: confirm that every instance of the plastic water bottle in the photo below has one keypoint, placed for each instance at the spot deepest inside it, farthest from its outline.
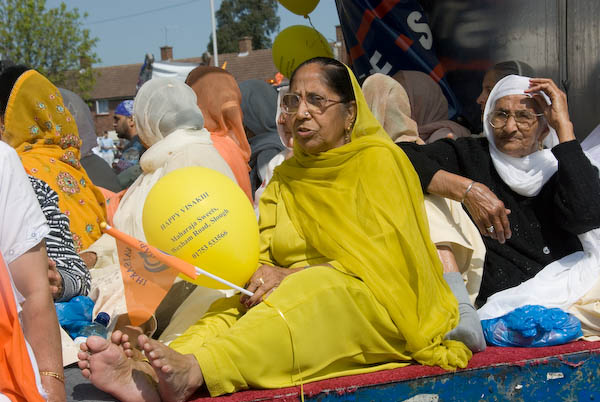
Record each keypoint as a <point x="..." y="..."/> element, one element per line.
<point x="96" y="328"/>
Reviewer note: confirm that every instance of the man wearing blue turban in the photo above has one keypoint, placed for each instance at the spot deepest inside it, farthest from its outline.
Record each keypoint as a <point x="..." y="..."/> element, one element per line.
<point x="128" y="168"/>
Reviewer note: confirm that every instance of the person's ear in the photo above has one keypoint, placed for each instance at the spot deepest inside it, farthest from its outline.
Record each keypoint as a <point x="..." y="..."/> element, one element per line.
<point x="351" y="113"/>
<point x="544" y="131"/>
<point x="130" y="121"/>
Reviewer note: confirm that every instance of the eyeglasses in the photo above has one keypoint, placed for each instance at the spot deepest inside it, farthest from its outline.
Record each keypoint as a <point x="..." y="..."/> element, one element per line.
<point x="290" y="103"/>
<point x="523" y="118"/>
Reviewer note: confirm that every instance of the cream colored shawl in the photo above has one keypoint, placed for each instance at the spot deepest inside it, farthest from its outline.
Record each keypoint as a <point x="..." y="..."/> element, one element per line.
<point x="390" y="105"/>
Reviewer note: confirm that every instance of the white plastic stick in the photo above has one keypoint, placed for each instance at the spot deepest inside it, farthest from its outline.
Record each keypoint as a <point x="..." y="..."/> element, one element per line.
<point x="200" y="271"/>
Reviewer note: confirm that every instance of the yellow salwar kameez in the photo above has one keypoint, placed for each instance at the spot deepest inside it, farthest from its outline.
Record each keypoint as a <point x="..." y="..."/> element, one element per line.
<point x="381" y="300"/>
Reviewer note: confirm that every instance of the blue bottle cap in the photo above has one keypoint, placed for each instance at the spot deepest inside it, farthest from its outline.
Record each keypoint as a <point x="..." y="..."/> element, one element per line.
<point x="102" y="318"/>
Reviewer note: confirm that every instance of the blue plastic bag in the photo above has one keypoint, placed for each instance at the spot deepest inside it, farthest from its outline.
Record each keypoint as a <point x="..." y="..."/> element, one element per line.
<point x="532" y="326"/>
<point x="75" y="314"/>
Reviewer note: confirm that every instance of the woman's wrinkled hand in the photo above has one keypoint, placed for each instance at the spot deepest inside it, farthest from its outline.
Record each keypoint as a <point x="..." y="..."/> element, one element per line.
<point x="264" y="281"/>
<point x="488" y="212"/>
<point x="55" y="280"/>
<point x="557" y="113"/>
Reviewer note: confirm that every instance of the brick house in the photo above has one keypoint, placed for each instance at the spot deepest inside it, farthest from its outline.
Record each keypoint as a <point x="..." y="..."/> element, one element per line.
<point x="118" y="83"/>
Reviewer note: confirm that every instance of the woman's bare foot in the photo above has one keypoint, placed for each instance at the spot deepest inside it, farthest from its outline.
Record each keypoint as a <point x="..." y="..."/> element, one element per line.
<point x="179" y="376"/>
<point x="106" y="365"/>
<point x="129" y="349"/>
<point x="133" y="332"/>
<point x="122" y="339"/>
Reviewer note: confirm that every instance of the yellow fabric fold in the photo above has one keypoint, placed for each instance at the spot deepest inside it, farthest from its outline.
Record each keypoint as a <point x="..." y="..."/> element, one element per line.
<point x="361" y="205"/>
<point x="44" y="134"/>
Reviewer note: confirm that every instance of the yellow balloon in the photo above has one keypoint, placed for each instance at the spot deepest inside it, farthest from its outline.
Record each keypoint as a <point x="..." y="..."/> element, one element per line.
<point x="300" y="7"/>
<point x="203" y="217"/>
<point x="296" y="44"/>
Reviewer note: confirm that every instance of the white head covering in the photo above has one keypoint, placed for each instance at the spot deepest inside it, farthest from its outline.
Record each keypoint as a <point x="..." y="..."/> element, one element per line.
<point x="280" y="130"/>
<point x="390" y="105"/>
<point x="591" y="145"/>
<point x="563" y="282"/>
<point x="164" y="105"/>
<point x="526" y="175"/>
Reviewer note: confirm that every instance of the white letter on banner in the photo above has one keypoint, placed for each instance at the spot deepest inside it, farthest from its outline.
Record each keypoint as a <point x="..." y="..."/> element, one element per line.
<point x="387" y="67"/>
<point x="420" y="27"/>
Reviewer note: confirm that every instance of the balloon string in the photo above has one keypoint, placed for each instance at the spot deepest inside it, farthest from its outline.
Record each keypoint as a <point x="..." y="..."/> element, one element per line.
<point x="313" y="27"/>
<point x="310" y="21"/>
<point x="294" y="360"/>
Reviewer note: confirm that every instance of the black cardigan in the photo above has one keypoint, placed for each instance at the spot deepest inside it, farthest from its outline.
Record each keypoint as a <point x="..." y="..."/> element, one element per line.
<point x="544" y="227"/>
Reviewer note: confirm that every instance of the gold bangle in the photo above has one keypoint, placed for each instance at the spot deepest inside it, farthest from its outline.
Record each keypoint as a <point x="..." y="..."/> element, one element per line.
<point x="58" y="376"/>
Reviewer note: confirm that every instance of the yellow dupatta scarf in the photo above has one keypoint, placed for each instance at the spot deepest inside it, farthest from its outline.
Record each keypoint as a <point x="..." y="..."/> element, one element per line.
<point x="361" y="204"/>
<point x="44" y="134"/>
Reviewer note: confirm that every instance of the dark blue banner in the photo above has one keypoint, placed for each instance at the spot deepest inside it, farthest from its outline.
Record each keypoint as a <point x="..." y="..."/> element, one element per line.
<point x="384" y="36"/>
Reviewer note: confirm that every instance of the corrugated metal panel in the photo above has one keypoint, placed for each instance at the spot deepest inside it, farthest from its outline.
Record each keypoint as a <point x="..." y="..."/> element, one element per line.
<point x="529" y="31"/>
<point x="583" y="64"/>
<point x="560" y="39"/>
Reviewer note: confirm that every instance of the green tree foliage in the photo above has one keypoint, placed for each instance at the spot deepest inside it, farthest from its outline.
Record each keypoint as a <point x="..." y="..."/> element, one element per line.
<point x="51" y="41"/>
<point x="238" y="18"/>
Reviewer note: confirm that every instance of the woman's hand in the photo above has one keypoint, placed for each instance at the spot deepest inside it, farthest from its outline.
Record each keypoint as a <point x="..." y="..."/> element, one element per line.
<point x="90" y="258"/>
<point x="488" y="212"/>
<point x="485" y="208"/>
<point x="264" y="281"/>
<point x="557" y="114"/>
<point x="55" y="280"/>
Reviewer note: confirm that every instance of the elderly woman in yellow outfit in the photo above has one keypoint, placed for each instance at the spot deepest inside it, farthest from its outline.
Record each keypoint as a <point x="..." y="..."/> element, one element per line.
<point x="350" y="282"/>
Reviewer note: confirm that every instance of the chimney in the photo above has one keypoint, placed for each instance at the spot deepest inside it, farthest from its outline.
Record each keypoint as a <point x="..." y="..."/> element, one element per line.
<point x="245" y="44"/>
<point x="166" y="53"/>
<point x="339" y="36"/>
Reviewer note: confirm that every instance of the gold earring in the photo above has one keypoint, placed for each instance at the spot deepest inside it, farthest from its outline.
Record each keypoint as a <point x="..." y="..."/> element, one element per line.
<point x="540" y="146"/>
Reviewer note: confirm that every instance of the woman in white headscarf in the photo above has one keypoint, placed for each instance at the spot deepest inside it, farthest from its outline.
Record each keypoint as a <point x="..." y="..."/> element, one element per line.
<point x="531" y="161"/>
<point x="171" y="125"/>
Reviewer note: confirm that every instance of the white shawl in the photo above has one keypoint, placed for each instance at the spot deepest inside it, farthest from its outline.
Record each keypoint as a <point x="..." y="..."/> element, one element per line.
<point x="170" y="122"/>
<point x="563" y="282"/>
<point x="527" y="175"/>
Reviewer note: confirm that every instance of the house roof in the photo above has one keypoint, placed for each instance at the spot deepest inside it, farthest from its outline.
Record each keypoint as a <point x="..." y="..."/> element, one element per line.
<point x="256" y="64"/>
<point x="116" y="82"/>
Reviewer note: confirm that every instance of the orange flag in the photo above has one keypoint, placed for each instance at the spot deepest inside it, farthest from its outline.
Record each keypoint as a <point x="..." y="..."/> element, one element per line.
<point x="148" y="274"/>
<point x="146" y="281"/>
<point x="17" y="379"/>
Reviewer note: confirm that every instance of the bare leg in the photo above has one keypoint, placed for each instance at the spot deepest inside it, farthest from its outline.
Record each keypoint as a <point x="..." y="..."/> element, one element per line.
<point x="110" y="370"/>
<point x="179" y="376"/>
<point x="447" y="258"/>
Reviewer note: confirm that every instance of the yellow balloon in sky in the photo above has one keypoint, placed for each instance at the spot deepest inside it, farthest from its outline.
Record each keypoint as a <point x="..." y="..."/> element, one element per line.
<point x="203" y="217"/>
<point x="296" y="44"/>
<point x="300" y="7"/>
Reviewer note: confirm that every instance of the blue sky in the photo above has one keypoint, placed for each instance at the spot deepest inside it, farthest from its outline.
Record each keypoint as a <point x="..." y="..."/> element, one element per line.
<point x="125" y="38"/>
